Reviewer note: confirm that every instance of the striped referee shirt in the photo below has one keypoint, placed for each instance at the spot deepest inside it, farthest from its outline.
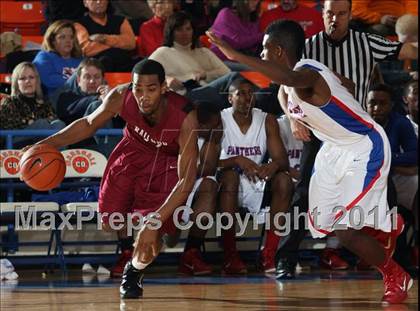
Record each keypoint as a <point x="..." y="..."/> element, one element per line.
<point x="354" y="57"/>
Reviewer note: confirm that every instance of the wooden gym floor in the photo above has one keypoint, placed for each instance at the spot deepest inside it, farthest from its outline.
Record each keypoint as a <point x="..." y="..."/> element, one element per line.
<point x="312" y="290"/>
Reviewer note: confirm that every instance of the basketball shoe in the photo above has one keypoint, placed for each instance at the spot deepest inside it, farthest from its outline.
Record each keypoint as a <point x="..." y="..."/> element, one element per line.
<point x="233" y="264"/>
<point x="397" y="282"/>
<point x="285" y="269"/>
<point x="192" y="263"/>
<point x="132" y="282"/>
<point x="124" y="257"/>
<point x="331" y="259"/>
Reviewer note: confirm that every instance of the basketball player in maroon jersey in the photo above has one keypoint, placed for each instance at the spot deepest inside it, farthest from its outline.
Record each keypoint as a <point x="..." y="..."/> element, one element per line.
<point x="152" y="169"/>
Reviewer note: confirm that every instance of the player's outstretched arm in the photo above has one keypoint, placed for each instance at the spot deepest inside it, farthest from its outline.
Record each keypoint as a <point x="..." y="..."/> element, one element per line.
<point x="87" y="126"/>
<point x="278" y="73"/>
<point x="308" y="83"/>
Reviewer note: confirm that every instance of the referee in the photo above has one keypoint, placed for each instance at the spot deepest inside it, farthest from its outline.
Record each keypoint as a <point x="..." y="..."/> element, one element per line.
<point x="353" y="55"/>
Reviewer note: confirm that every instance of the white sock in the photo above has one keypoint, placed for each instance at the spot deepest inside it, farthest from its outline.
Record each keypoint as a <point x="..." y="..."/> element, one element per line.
<point x="138" y="264"/>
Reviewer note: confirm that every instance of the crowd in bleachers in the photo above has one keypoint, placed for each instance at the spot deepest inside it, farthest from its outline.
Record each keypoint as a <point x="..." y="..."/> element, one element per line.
<point x="62" y="78"/>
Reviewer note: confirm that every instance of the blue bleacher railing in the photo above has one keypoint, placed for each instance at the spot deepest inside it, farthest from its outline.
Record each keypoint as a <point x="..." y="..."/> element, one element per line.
<point x="9" y="134"/>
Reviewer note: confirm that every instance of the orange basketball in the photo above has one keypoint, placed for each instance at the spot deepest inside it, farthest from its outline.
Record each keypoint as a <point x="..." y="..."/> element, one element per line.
<point x="42" y="167"/>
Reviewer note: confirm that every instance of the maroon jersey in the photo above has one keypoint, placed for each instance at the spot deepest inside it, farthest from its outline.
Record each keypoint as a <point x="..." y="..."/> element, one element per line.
<point x="142" y="170"/>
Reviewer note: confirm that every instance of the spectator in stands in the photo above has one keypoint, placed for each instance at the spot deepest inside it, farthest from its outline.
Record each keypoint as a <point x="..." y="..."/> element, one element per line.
<point x="27" y="108"/>
<point x="411" y="99"/>
<point x="85" y="92"/>
<point x="404" y="167"/>
<point x="379" y="17"/>
<point x="239" y="27"/>
<point x="151" y="32"/>
<point x="399" y="130"/>
<point x="60" y="55"/>
<point x="136" y="12"/>
<point x="310" y="19"/>
<point x="187" y="65"/>
<point x="63" y="9"/>
<point x="248" y="134"/>
<point x="203" y="12"/>
<point x="12" y="52"/>
<point x="107" y="37"/>
<point x="407" y="29"/>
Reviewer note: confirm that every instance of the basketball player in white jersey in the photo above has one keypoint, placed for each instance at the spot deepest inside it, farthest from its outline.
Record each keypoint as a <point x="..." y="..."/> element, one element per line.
<point x="248" y="134"/>
<point x="351" y="169"/>
<point x="293" y="146"/>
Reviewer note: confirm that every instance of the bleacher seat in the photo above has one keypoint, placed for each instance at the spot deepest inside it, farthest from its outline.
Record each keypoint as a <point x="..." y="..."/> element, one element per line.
<point x="257" y="78"/>
<point x="83" y="163"/>
<point x="5" y="78"/>
<point x="115" y="78"/>
<point x="25" y="18"/>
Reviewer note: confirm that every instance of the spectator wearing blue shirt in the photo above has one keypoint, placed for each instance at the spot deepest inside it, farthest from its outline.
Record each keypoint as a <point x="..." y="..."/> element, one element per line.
<point x="398" y="128"/>
<point x="411" y="99"/>
<point x="59" y="57"/>
<point x="404" y="169"/>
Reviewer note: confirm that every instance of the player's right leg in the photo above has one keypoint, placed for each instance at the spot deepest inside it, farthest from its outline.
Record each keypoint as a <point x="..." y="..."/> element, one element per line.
<point x="229" y="204"/>
<point x="397" y="281"/>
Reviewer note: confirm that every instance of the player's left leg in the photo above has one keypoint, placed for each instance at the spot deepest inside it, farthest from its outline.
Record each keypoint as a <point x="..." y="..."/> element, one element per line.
<point x="281" y="192"/>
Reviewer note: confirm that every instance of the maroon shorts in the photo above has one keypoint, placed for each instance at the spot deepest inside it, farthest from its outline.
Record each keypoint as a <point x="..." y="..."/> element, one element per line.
<point x="137" y="181"/>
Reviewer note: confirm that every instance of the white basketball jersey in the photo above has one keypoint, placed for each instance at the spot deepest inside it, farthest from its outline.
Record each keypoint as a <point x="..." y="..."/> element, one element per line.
<point x="252" y="144"/>
<point x="293" y="146"/>
<point x="341" y="121"/>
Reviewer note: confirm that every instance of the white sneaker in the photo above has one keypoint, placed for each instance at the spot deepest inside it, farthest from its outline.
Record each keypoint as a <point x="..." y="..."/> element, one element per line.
<point x="103" y="270"/>
<point x="87" y="268"/>
<point x="11" y="276"/>
<point x="7" y="270"/>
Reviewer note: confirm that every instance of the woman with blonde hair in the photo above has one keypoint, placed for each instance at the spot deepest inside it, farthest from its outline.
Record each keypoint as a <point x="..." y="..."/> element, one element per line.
<point x="26" y="108"/>
<point x="60" y="55"/>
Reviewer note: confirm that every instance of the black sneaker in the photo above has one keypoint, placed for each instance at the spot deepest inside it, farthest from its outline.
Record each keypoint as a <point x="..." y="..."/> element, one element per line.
<point x="131" y="283"/>
<point x="285" y="270"/>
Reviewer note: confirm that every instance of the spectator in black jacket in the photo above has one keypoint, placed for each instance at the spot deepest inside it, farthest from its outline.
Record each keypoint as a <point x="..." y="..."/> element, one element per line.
<point x="83" y="93"/>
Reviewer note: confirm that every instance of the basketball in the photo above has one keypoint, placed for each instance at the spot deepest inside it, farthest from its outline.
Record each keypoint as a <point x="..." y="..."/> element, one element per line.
<point x="42" y="167"/>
